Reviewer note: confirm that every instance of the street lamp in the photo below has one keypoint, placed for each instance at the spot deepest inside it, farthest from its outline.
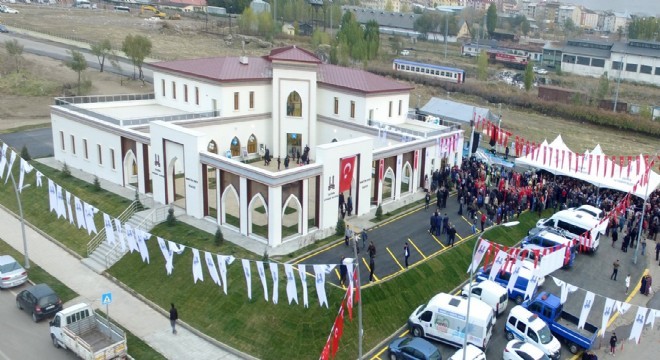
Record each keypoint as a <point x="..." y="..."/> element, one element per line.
<point x="20" y="212"/>
<point x="467" y="317"/>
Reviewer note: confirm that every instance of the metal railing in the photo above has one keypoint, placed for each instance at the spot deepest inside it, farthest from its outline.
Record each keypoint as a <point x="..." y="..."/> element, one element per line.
<point x="101" y="236"/>
<point x="396" y="129"/>
<point x="154" y="218"/>
<point x="91" y="99"/>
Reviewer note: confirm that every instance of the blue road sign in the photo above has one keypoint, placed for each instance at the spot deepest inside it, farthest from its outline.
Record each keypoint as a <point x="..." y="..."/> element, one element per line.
<point x="106" y="298"/>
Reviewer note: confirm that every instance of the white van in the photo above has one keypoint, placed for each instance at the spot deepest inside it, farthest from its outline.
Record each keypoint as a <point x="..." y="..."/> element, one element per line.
<point x="472" y="353"/>
<point x="443" y="319"/>
<point x="591" y="210"/>
<point x="489" y="292"/>
<point x="577" y="223"/>
<point x="528" y="327"/>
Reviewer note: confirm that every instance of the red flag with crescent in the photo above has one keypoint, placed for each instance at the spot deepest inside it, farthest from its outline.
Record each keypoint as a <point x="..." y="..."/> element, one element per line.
<point x="381" y="169"/>
<point x="346" y="168"/>
<point x="415" y="160"/>
<point x="629" y="165"/>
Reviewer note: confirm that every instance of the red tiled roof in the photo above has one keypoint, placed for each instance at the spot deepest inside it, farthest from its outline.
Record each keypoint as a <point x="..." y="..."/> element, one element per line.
<point x="227" y="69"/>
<point x="221" y="68"/>
<point x="293" y="53"/>
<point x="356" y="79"/>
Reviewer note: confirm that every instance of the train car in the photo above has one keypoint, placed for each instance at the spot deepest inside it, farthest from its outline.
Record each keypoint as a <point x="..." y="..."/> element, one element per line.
<point x="444" y="73"/>
<point x="510" y="60"/>
<point x="473" y="50"/>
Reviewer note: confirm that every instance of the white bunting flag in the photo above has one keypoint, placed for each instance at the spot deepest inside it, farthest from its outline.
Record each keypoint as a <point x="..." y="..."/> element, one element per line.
<point x="197" y="266"/>
<point x="650" y="318"/>
<point x="167" y="254"/>
<point x="248" y="280"/>
<point x="69" y="208"/>
<point x="291" y="290"/>
<point x="262" y="276"/>
<point x="210" y="264"/>
<point x="80" y="212"/>
<point x="130" y="238"/>
<point x="586" y="308"/>
<point x="223" y="261"/>
<point x="481" y="251"/>
<point x="638" y="325"/>
<point x="532" y="283"/>
<point x="500" y="258"/>
<point x="608" y="310"/>
<point x="26" y="168"/>
<point x="275" y="275"/>
<point x="303" y="283"/>
<point x="622" y="307"/>
<point x="120" y="235"/>
<point x="89" y="217"/>
<point x="141" y="237"/>
<point x="514" y="276"/>
<point x="52" y="196"/>
<point x="109" y="230"/>
<point x="176" y="248"/>
<point x="319" y="271"/>
<point x="39" y="176"/>
<point x="12" y="158"/>
<point x="3" y="160"/>
<point x="61" y="208"/>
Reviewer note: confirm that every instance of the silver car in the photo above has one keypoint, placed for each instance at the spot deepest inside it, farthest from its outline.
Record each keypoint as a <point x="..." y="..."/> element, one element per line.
<point x="11" y="272"/>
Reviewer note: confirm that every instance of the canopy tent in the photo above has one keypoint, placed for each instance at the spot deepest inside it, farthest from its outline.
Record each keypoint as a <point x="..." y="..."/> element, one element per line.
<point x="594" y="167"/>
<point x="455" y="112"/>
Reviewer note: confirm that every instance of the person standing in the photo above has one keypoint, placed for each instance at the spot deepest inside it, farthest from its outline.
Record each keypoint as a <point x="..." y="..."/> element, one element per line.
<point x="279" y="162"/>
<point x="174" y="316"/>
<point x="406" y="253"/>
<point x="371" y="250"/>
<point x="342" y="272"/>
<point x="363" y="235"/>
<point x="348" y="233"/>
<point x="627" y="283"/>
<point x="427" y="201"/>
<point x="372" y="266"/>
<point x="451" y="234"/>
<point x="286" y="162"/>
<point x="615" y="236"/>
<point x="432" y="223"/>
<point x="657" y="251"/>
<point x="613" y="340"/>
<point x="349" y="205"/>
<point x="445" y="223"/>
<point x="615" y="270"/>
<point x="439" y="220"/>
<point x="483" y="221"/>
<point x="643" y="243"/>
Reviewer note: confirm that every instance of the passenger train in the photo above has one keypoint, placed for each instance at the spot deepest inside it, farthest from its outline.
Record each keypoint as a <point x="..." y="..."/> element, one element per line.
<point x="444" y="73"/>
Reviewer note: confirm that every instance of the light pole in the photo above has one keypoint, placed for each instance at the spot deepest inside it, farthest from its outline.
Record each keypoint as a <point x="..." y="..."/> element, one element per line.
<point x="641" y="219"/>
<point x="356" y="267"/>
<point x="20" y="212"/>
<point x="467" y="315"/>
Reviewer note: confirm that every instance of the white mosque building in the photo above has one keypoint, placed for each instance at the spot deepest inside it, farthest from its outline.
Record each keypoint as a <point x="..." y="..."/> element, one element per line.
<point x="198" y="142"/>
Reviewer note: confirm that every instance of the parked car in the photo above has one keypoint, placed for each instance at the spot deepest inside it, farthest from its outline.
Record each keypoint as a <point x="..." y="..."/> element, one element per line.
<point x="472" y="353"/>
<point x="413" y="348"/>
<point x="40" y="301"/>
<point x="3" y="29"/>
<point x="8" y="10"/>
<point x="405" y="52"/>
<point x="520" y="350"/>
<point x="11" y="272"/>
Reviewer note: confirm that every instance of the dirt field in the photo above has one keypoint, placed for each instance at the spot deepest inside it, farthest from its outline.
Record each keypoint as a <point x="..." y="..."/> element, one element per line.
<point x="186" y="39"/>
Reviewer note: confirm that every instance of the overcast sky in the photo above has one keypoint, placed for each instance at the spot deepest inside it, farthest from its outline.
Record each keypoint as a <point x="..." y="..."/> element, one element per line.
<point x="651" y="7"/>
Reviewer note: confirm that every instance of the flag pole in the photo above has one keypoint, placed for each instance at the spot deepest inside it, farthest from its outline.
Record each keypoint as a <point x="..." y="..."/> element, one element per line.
<point x="646" y="197"/>
<point x="359" y="291"/>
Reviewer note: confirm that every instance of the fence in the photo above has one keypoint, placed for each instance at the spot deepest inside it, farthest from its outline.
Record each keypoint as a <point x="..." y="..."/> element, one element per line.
<point x="101" y="236"/>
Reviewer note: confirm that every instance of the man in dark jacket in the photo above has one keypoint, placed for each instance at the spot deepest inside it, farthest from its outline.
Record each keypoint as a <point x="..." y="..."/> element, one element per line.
<point x="174" y="316"/>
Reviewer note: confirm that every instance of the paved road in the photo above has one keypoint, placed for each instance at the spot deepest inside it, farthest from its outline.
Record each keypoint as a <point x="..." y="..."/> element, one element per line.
<point x="38" y="141"/>
<point x="21" y="338"/>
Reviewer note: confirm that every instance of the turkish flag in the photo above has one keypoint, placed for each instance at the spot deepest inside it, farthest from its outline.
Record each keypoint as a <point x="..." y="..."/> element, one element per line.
<point x="337" y="331"/>
<point x="346" y="173"/>
<point x="629" y="165"/>
<point x="381" y="169"/>
<point x="325" y="354"/>
<point x="415" y="161"/>
<point x="356" y="297"/>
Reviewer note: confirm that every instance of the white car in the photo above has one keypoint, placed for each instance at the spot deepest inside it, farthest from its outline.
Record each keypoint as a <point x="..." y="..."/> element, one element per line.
<point x="11" y="272"/>
<point x="405" y="52"/>
<point x="8" y="10"/>
<point x="520" y="350"/>
<point x="542" y="72"/>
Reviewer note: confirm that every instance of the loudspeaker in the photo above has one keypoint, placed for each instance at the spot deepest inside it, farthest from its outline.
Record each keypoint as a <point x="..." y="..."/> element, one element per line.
<point x="475" y="142"/>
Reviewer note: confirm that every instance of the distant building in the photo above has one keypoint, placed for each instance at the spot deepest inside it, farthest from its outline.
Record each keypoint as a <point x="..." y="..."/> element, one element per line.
<point x="288" y="29"/>
<point x="259" y="6"/>
<point x="634" y="60"/>
<point x="613" y="21"/>
<point x="381" y="4"/>
<point x="569" y="12"/>
<point x="589" y="19"/>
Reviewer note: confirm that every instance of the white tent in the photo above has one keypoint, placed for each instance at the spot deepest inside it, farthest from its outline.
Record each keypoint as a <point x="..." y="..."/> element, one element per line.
<point x="593" y="167"/>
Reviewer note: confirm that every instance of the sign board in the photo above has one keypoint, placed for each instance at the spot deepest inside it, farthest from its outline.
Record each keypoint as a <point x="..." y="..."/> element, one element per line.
<point x="106" y="298"/>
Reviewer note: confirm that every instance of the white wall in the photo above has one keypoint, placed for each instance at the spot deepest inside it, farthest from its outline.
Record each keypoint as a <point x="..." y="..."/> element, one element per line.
<point x="223" y="134"/>
<point x="94" y="137"/>
<point x="380" y="104"/>
<point x="326" y="105"/>
<point x="636" y="76"/>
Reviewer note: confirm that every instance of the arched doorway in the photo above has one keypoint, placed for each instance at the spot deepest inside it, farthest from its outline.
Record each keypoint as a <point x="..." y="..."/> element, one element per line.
<point x="230" y="214"/>
<point x="176" y="182"/>
<point x="235" y="147"/>
<point x="388" y="185"/>
<point x="291" y="217"/>
<point x="294" y="105"/>
<point x="130" y="169"/>
<point x="258" y="217"/>
<point x="406" y="179"/>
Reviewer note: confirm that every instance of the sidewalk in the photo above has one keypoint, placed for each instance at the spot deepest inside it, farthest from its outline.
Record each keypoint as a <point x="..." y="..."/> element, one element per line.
<point x="147" y="322"/>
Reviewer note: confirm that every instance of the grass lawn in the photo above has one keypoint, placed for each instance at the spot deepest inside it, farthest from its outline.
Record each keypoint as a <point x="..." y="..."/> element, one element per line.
<point x="35" y="205"/>
<point x="291" y="331"/>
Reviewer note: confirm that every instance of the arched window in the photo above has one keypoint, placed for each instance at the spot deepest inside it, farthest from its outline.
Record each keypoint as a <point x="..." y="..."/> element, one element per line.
<point x="212" y="147"/>
<point x="294" y="105"/>
<point x="235" y="147"/>
<point x="252" y="144"/>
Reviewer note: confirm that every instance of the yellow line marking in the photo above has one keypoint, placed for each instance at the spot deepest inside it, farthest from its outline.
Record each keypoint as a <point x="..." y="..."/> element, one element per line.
<point x="459" y="237"/>
<point x="378" y="354"/>
<point x="368" y="268"/>
<point x="616" y="314"/>
<point x="341" y="241"/>
<point x="466" y="220"/>
<point x="394" y="257"/>
<point x="415" y="246"/>
<point x="438" y="241"/>
<point x="403" y="214"/>
<point x="337" y="272"/>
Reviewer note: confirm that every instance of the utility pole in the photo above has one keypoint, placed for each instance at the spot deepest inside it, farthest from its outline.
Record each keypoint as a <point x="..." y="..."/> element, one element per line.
<point x="618" y="82"/>
<point x="356" y="267"/>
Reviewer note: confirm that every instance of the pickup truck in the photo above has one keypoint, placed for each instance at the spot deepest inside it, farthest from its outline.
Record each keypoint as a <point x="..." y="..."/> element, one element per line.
<point x="91" y="337"/>
<point x="563" y="325"/>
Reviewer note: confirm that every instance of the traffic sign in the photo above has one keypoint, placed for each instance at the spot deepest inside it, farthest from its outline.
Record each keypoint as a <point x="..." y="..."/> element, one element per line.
<point x="106" y="298"/>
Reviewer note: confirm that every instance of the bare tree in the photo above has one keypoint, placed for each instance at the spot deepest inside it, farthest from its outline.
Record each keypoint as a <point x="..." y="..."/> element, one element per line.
<point x="15" y="51"/>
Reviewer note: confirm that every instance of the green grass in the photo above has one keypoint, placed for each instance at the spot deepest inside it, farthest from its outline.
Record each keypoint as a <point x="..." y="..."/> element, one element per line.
<point x="137" y="348"/>
<point x="35" y="205"/>
<point x="248" y="325"/>
<point x="38" y="275"/>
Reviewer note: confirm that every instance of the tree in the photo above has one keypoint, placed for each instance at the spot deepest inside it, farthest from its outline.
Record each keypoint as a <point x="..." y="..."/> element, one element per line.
<point x="525" y="27"/>
<point x="319" y="37"/>
<point x="529" y="76"/>
<point x="569" y="26"/>
<point x="482" y="66"/>
<point x="389" y="6"/>
<point x="491" y="19"/>
<point x="396" y="43"/>
<point x="603" y="87"/>
<point x="619" y="33"/>
<point x="102" y="50"/>
<point x="265" y="25"/>
<point x="78" y="63"/>
<point x="248" y="22"/>
<point x="372" y="38"/>
<point x="137" y="48"/>
<point x="15" y="51"/>
<point x="644" y="28"/>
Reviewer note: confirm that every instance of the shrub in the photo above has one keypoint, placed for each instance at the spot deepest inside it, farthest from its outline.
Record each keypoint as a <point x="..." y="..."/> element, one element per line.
<point x="25" y="154"/>
<point x="341" y="225"/>
<point x="138" y="204"/>
<point x="379" y="212"/>
<point x="171" y="219"/>
<point x="218" y="239"/>
<point x="66" y="172"/>
<point x="97" y="184"/>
